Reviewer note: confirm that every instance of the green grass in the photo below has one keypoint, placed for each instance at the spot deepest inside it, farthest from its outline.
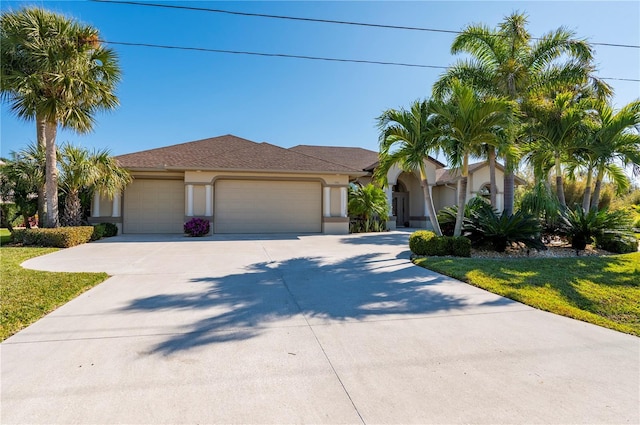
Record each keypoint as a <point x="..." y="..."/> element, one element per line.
<point x="5" y="236"/>
<point x="600" y="290"/>
<point x="28" y="295"/>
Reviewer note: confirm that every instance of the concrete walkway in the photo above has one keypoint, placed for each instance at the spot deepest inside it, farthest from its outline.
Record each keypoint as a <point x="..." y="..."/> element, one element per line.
<point x="308" y="329"/>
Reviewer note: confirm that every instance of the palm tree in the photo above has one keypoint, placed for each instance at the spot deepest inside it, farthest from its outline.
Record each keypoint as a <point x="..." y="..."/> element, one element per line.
<point x="558" y="129"/>
<point x="407" y="138"/>
<point x="56" y="72"/>
<point x="468" y="123"/>
<point x="94" y="171"/>
<point x="21" y="177"/>
<point x="367" y="201"/>
<point x="614" y="138"/>
<point x="507" y="61"/>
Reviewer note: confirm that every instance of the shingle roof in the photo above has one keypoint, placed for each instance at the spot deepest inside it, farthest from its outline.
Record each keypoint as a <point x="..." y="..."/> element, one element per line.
<point x="358" y="158"/>
<point x="230" y="153"/>
<point x="446" y="175"/>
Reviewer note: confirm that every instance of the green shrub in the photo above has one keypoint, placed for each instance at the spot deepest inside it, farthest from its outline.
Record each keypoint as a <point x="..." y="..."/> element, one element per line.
<point x="424" y="242"/>
<point x="61" y="237"/>
<point x="98" y="232"/>
<point x="419" y="240"/>
<point x="499" y="230"/>
<point x="110" y="230"/>
<point x="460" y="246"/>
<point x="620" y="244"/>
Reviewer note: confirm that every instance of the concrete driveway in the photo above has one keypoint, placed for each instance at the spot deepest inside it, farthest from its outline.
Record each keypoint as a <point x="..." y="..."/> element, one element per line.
<point x="303" y="329"/>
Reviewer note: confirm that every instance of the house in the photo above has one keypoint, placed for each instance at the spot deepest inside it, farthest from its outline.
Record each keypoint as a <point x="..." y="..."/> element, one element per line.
<point x="242" y="186"/>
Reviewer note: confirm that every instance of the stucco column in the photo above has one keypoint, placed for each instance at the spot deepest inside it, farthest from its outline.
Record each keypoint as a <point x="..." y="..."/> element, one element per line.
<point x="343" y="202"/>
<point x="95" y="207"/>
<point x="208" y="193"/>
<point x="189" y="200"/>
<point x="389" y="191"/>
<point x="115" y="210"/>
<point x="326" y="202"/>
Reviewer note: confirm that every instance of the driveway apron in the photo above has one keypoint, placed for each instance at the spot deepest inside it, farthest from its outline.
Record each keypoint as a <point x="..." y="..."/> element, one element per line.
<point x="302" y="329"/>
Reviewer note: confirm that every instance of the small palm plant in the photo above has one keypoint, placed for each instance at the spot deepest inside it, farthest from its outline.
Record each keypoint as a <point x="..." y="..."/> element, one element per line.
<point x="368" y="205"/>
<point x="500" y="230"/>
<point x="581" y="226"/>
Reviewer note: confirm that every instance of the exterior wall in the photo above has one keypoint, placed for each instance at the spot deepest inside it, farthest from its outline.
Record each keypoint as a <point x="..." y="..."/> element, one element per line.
<point x="445" y="196"/>
<point x="335" y="202"/>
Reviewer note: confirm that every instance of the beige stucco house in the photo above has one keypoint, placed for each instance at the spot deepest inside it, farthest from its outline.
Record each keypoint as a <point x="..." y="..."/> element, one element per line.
<point x="242" y="186"/>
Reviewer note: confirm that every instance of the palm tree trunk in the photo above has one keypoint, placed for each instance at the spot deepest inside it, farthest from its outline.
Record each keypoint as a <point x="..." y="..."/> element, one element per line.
<point x="586" y="199"/>
<point x="462" y="200"/>
<point x="559" y="183"/>
<point x="42" y="201"/>
<point x="72" y="215"/>
<point x="509" y="189"/>
<point x="51" y="176"/>
<point x="595" y="200"/>
<point x="431" y="209"/>
<point x="462" y="196"/>
<point x="492" y="177"/>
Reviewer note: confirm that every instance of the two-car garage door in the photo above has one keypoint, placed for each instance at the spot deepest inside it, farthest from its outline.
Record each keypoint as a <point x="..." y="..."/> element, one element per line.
<point x="240" y="206"/>
<point x="262" y="206"/>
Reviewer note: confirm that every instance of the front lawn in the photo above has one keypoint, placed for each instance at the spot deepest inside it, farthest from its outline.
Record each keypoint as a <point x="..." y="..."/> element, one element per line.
<point x="5" y="236"/>
<point x="600" y="290"/>
<point x="28" y="295"/>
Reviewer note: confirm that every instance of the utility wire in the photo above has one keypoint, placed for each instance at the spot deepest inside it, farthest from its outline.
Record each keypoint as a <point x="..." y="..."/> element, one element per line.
<point x="284" y="55"/>
<point x="326" y="21"/>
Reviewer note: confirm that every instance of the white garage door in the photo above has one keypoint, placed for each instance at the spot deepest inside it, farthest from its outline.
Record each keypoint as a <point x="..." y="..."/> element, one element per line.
<point x="258" y="206"/>
<point x="154" y="206"/>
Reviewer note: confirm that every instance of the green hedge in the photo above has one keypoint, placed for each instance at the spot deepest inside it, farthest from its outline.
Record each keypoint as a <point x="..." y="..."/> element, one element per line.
<point x="424" y="242"/>
<point x="61" y="237"/>
<point x="620" y="244"/>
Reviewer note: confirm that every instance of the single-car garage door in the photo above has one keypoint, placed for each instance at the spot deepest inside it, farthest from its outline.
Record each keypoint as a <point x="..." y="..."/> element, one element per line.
<point x="259" y="206"/>
<point x="154" y="206"/>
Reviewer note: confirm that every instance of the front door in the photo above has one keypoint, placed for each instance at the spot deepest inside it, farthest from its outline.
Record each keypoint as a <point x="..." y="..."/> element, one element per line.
<point x="401" y="208"/>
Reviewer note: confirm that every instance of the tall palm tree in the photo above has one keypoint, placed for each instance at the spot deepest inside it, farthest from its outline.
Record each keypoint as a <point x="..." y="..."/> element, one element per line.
<point x="95" y="171"/>
<point x="468" y="123"/>
<point x="507" y="61"/>
<point x="407" y="138"/>
<point x="614" y="138"/>
<point x="55" y="71"/>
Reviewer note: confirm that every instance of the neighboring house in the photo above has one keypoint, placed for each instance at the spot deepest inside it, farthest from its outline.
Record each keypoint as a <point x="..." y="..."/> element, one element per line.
<point x="242" y="186"/>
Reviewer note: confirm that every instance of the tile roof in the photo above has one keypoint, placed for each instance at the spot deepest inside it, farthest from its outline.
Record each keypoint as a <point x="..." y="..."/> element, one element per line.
<point x="230" y="153"/>
<point x="358" y="158"/>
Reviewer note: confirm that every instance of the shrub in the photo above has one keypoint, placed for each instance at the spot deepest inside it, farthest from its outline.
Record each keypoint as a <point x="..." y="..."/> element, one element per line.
<point x="424" y="242"/>
<point x="620" y="244"/>
<point x="447" y="215"/>
<point x="582" y="227"/>
<point x="358" y="225"/>
<point x="196" y="227"/>
<point x="460" y="246"/>
<point x="110" y="230"/>
<point x="499" y="230"/>
<point x="98" y="232"/>
<point x="61" y="237"/>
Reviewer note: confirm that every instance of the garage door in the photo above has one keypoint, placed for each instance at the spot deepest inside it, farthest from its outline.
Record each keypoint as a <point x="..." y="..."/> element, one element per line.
<point x="250" y="206"/>
<point x="154" y="206"/>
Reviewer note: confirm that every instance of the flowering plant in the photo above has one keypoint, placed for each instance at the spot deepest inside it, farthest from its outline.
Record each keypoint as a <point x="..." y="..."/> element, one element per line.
<point x="196" y="227"/>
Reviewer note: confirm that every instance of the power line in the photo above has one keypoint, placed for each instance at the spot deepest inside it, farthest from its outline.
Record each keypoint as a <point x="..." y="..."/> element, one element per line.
<point x="325" y="21"/>
<point x="284" y="55"/>
<point x="277" y="55"/>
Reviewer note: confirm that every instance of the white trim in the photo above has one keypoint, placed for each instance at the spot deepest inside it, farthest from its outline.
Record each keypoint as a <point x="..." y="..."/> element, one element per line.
<point x="208" y="192"/>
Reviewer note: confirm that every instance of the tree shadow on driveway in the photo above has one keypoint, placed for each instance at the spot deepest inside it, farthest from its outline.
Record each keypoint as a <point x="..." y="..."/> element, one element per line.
<point x="303" y="291"/>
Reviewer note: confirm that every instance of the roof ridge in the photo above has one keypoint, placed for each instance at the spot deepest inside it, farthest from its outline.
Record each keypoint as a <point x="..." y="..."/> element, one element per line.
<point x="188" y="143"/>
<point x="320" y="159"/>
<point x="314" y="157"/>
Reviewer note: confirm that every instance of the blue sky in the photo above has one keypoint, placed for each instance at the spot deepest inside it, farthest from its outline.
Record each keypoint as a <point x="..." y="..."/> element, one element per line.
<point x="170" y="97"/>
